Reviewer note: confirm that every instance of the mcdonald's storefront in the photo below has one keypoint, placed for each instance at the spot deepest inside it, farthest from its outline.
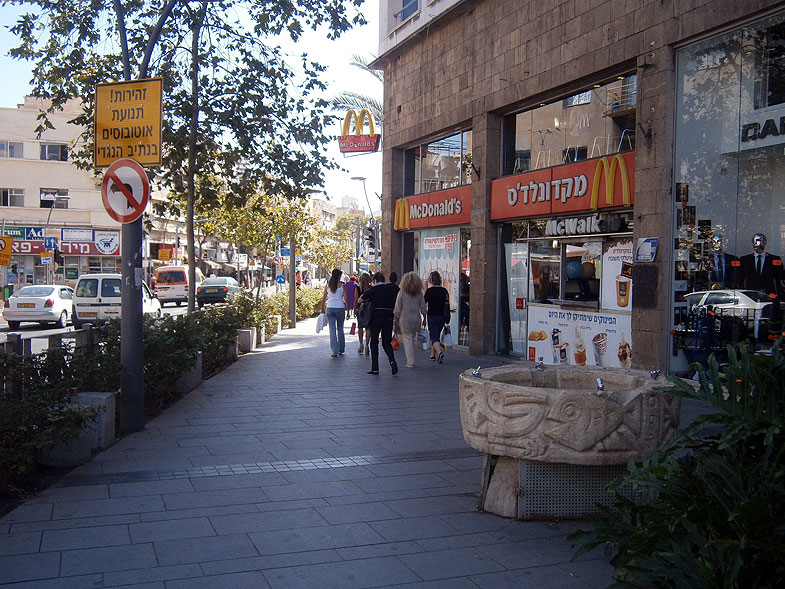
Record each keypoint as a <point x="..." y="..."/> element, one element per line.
<point x="566" y="233"/>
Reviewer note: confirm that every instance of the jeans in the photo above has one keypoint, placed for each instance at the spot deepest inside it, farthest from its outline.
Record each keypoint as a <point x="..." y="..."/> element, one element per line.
<point x="335" y="317"/>
<point x="435" y="326"/>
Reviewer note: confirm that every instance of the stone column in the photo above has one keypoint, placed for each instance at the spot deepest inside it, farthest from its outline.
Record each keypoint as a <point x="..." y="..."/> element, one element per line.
<point x="392" y="186"/>
<point x="486" y="141"/>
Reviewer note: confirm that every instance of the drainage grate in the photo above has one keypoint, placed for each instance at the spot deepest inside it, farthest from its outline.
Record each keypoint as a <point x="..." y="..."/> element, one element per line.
<point x="261" y="467"/>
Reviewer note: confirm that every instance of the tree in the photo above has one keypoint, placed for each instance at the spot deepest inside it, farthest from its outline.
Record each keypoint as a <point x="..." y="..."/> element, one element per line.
<point x="343" y="101"/>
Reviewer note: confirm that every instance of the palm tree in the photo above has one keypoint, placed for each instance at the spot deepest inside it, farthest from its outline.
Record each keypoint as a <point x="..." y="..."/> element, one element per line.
<point x="343" y="101"/>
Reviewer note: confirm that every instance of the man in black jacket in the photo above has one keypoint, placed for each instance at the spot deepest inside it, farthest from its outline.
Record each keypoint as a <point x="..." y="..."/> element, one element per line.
<point x="383" y="298"/>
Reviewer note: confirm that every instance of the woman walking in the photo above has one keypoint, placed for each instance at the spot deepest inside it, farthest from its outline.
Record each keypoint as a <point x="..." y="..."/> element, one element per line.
<point x="437" y="300"/>
<point x="409" y="310"/>
<point x="334" y="305"/>
<point x="364" y="334"/>
<point x="351" y="289"/>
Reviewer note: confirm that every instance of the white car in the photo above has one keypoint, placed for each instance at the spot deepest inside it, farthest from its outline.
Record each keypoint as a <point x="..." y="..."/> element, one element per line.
<point x="98" y="299"/>
<point x="44" y="304"/>
<point x="739" y="311"/>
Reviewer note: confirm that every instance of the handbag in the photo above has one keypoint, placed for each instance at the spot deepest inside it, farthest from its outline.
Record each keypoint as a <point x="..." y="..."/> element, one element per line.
<point x="321" y="321"/>
<point x="366" y="312"/>
<point x="394" y="343"/>
<point x="447" y="337"/>
<point x="425" y="338"/>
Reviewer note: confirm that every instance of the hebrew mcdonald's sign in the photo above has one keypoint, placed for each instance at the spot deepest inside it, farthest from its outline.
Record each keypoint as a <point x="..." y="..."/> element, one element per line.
<point x="358" y="142"/>
<point x="589" y="185"/>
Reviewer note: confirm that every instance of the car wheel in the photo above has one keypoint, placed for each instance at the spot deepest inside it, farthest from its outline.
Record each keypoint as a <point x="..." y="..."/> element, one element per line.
<point x="13" y="324"/>
<point x="63" y="321"/>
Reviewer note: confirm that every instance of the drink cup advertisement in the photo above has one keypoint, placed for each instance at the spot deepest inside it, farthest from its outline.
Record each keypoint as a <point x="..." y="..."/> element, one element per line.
<point x="617" y="275"/>
<point x="440" y="250"/>
<point x="579" y="338"/>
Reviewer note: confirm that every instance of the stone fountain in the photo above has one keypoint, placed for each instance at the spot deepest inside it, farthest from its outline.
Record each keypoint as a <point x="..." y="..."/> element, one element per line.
<point x="554" y="437"/>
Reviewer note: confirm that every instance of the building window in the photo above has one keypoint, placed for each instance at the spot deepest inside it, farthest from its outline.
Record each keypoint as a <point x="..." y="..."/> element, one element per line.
<point x="574" y="153"/>
<point x="575" y="100"/>
<point x="12" y="149"/>
<point x="12" y="197"/>
<point x="54" y="152"/>
<point x="770" y="67"/>
<point x="441" y="164"/>
<point x="54" y="198"/>
<point x="408" y="8"/>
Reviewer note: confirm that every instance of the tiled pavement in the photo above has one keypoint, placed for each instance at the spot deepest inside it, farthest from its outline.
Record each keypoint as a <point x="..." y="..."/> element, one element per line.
<point x="290" y="469"/>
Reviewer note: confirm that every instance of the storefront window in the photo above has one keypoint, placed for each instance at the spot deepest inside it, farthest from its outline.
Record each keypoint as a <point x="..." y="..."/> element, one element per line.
<point x="464" y="280"/>
<point x="730" y="192"/>
<point x="593" y="123"/>
<point x="445" y="163"/>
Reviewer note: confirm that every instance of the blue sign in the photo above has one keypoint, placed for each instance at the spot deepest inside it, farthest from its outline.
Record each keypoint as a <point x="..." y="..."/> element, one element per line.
<point x="34" y="233"/>
<point x="280" y="279"/>
<point x="284" y="251"/>
<point x="50" y="243"/>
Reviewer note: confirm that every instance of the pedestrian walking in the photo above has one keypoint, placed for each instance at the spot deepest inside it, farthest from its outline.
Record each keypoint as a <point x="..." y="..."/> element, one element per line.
<point x="394" y="278"/>
<point x="408" y="312"/>
<point x="351" y="294"/>
<point x="364" y="283"/>
<point x="382" y="296"/>
<point x="437" y="300"/>
<point x="334" y="305"/>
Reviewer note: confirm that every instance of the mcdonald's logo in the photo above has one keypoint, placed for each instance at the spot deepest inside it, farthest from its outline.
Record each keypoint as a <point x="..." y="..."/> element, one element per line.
<point x="402" y="220"/>
<point x="358" y="142"/>
<point x="607" y="171"/>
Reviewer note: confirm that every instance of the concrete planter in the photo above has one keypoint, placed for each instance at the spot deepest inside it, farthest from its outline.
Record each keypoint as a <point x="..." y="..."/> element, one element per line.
<point x="246" y="338"/>
<point x="102" y="430"/>
<point x="74" y="452"/>
<point x="260" y="337"/>
<point x="552" y="435"/>
<point x="191" y="378"/>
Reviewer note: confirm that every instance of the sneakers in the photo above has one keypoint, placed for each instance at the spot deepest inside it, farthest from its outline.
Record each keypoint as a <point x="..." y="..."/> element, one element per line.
<point x="373" y="372"/>
<point x="432" y="358"/>
<point x="333" y="355"/>
<point x="394" y="366"/>
<point x="440" y="359"/>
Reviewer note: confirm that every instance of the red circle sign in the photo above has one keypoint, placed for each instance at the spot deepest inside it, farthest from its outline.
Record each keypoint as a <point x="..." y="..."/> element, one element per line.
<point x="125" y="190"/>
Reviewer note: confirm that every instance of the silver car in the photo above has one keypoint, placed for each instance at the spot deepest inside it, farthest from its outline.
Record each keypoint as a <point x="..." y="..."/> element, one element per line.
<point x="740" y="312"/>
<point x="44" y="304"/>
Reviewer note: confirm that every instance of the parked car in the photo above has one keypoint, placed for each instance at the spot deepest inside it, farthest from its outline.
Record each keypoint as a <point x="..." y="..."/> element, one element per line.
<point x="97" y="298"/>
<point x="44" y="304"/>
<point x="171" y="284"/>
<point x="740" y="312"/>
<point x="216" y="289"/>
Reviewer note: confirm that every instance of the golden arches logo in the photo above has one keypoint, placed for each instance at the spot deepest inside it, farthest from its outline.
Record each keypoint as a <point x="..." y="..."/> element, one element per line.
<point x="359" y="123"/>
<point x="402" y="218"/>
<point x="607" y="171"/>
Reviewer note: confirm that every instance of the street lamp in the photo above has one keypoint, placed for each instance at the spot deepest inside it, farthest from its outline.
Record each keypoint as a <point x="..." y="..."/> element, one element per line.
<point x="370" y="210"/>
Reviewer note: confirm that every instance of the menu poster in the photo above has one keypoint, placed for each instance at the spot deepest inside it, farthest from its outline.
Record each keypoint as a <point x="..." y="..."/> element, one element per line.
<point x="616" y="283"/>
<point x="440" y="251"/>
<point x="579" y="338"/>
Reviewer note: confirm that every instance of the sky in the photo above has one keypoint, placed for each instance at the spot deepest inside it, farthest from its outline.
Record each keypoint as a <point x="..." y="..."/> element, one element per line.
<point x="340" y="76"/>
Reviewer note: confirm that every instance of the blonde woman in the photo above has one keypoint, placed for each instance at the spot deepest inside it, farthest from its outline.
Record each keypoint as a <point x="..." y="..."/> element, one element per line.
<point x="363" y="334"/>
<point x="408" y="312"/>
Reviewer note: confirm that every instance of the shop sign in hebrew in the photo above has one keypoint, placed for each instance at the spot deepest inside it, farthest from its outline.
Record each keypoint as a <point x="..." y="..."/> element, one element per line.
<point x="128" y="122"/>
<point x="589" y="185"/>
<point x="434" y="209"/>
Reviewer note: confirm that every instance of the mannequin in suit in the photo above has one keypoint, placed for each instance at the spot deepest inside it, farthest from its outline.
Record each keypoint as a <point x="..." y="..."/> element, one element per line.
<point x="763" y="271"/>
<point x="723" y="271"/>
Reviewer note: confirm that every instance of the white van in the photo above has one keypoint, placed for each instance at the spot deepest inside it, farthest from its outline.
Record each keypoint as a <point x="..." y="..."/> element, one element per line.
<point x="97" y="298"/>
<point x="171" y="284"/>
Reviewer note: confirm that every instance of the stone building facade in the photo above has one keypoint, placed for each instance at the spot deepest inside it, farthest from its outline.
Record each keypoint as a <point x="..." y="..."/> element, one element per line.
<point x="492" y="72"/>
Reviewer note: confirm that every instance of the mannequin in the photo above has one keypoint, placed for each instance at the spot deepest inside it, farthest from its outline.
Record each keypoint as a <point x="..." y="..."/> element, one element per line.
<point x="762" y="271"/>
<point x="723" y="271"/>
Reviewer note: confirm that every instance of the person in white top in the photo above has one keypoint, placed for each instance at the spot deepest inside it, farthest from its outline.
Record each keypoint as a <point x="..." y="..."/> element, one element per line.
<point x="334" y="305"/>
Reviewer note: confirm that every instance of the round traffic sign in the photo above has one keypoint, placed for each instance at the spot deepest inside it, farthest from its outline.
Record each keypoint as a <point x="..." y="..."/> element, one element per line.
<point x="125" y="190"/>
<point x="276" y="261"/>
<point x="280" y="279"/>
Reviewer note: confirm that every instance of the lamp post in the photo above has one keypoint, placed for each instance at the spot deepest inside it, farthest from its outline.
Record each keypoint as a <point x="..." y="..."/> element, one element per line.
<point x="50" y="267"/>
<point x="370" y="212"/>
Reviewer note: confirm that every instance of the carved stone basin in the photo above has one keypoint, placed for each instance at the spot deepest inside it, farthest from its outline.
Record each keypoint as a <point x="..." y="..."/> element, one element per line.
<point x="553" y="441"/>
<point x="559" y="415"/>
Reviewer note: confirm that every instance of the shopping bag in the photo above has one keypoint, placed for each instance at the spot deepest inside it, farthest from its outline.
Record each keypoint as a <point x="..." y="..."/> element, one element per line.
<point x="425" y="338"/>
<point x="321" y="321"/>
<point x="447" y="338"/>
<point x="354" y="328"/>
<point x="395" y="344"/>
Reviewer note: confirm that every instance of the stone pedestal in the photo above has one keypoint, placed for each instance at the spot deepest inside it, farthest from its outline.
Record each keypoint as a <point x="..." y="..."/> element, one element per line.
<point x="191" y="378"/>
<point x="246" y="338"/>
<point x="74" y="452"/>
<point x="102" y="430"/>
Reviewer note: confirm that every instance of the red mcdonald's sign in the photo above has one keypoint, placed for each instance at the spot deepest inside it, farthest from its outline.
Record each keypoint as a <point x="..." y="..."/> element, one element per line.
<point x="358" y="142"/>
<point x="434" y="209"/>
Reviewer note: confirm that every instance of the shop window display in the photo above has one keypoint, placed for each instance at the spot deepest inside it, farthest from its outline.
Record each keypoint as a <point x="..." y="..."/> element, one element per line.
<point x="728" y="280"/>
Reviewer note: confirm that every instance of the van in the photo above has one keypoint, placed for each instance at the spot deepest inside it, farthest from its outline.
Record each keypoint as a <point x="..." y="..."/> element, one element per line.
<point x="97" y="298"/>
<point x="171" y="284"/>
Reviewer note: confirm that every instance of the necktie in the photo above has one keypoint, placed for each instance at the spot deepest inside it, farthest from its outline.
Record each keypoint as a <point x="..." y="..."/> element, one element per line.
<point x="720" y="269"/>
<point x="758" y="264"/>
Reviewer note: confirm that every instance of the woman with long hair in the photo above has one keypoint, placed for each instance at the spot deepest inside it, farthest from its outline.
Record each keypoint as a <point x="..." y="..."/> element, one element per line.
<point x="363" y="334"/>
<point x="334" y="305"/>
<point x="409" y="310"/>
<point x="437" y="300"/>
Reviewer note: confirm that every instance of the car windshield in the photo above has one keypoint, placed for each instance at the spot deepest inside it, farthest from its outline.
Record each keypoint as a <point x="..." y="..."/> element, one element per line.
<point x="110" y="287"/>
<point x="87" y="287"/>
<point x="757" y="296"/>
<point x="35" y="291"/>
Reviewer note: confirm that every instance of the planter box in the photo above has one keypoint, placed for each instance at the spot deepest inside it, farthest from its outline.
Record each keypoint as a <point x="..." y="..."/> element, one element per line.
<point x="191" y="378"/>
<point x="102" y="430"/>
<point x="260" y="338"/>
<point x="246" y="338"/>
<point x="71" y="453"/>
<point x="277" y="323"/>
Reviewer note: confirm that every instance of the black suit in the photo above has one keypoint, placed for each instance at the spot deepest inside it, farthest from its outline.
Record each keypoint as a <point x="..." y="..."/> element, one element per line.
<point x="769" y="280"/>
<point x="723" y="271"/>
<point x="383" y="297"/>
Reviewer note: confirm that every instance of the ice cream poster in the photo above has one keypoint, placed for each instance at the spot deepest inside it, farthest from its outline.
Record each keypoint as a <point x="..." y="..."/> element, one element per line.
<point x="440" y="250"/>
<point x="579" y="338"/>
<point x="617" y="275"/>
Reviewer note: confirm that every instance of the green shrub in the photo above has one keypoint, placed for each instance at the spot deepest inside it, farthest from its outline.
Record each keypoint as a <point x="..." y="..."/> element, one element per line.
<point x="713" y="504"/>
<point x="217" y="327"/>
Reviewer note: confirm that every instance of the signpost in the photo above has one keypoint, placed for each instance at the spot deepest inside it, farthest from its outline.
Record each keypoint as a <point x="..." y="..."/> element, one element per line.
<point x="6" y="243"/>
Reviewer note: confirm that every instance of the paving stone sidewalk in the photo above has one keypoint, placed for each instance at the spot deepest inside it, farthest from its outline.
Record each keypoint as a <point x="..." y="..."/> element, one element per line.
<point x="291" y="469"/>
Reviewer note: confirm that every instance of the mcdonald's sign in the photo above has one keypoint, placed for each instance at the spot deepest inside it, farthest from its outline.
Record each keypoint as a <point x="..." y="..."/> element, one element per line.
<point x="358" y="142"/>
<point x="402" y="220"/>
<point x="589" y="185"/>
<point x="442" y="208"/>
